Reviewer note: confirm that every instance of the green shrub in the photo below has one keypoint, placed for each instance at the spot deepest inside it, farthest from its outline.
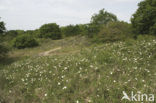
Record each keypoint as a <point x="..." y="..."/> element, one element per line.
<point x="9" y="35"/>
<point x="3" y="51"/>
<point x="73" y="30"/>
<point x="70" y="30"/>
<point x="114" y="31"/>
<point x="93" y="30"/>
<point x="24" y="41"/>
<point x="51" y="30"/>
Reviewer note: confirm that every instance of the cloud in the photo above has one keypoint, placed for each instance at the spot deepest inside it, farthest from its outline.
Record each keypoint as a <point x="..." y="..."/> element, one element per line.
<point x="30" y="14"/>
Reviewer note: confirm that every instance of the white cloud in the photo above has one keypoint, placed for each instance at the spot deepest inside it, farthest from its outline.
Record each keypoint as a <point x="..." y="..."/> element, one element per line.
<point x="30" y="14"/>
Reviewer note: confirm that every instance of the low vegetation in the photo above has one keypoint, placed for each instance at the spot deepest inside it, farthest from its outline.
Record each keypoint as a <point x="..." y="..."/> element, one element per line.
<point x="98" y="73"/>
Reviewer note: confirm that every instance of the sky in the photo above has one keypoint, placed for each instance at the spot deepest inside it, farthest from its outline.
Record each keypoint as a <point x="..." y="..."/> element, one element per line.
<point x="31" y="14"/>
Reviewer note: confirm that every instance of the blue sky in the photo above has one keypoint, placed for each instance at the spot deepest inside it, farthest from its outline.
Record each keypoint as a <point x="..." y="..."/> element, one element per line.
<point x="31" y="14"/>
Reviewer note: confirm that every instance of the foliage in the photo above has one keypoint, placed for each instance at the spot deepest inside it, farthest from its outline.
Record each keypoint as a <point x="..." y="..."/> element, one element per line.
<point x="9" y="35"/>
<point x="24" y="41"/>
<point x="73" y="30"/>
<point x="2" y="27"/>
<point x="144" y="20"/>
<point x="98" y="20"/>
<point x="51" y="30"/>
<point x="3" y="51"/>
<point x="103" y="18"/>
<point x="12" y="33"/>
<point x="83" y="29"/>
<point x="145" y="37"/>
<point x="93" y="30"/>
<point x="20" y="31"/>
<point x="114" y="31"/>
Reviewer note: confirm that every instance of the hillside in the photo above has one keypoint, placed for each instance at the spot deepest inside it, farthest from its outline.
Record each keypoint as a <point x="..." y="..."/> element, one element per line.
<point x="76" y="71"/>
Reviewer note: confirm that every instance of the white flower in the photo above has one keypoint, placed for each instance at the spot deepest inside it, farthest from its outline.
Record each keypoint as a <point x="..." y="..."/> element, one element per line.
<point x="62" y="76"/>
<point x="64" y="87"/>
<point x="22" y="79"/>
<point x="91" y="66"/>
<point x="65" y="68"/>
<point x="59" y="83"/>
<point x="114" y="81"/>
<point x="45" y="94"/>
<point x="77" y="101"/>
<point x="80" y="68"/>
<point x="9" y="91"/>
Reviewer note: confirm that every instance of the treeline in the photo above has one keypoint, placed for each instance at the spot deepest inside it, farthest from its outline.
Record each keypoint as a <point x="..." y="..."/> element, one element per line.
<point x="103" y="27"/>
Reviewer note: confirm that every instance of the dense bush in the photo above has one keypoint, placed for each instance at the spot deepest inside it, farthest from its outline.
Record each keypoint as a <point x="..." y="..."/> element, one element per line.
<point x="83" y="29"/>
<point x="9" y="35"/>
<point x="114" y="31"/>
<point x="12" y="33"/>
<point x="73" y="30"/>
<point x="144" y="20"/>
<point x="3" y="51"/>
<point x="92" y="30"/>
<point x="51" y="30"/>
<point x="70" y="30"/>
<point x="24" y="41"/>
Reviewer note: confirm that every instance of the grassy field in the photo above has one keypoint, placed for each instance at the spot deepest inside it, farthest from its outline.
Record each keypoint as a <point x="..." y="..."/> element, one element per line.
<point x="79" y="72"/>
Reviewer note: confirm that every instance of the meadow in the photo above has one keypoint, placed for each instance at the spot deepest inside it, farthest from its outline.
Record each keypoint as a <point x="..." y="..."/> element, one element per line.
<point x="80" y="72"/>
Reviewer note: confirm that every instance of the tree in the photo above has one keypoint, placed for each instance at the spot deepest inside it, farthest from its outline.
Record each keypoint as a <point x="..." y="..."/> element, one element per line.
<point x="3" y="49"/>
<point x="103" y="18"/>
<point x="144" y="19"/>
<point x="51" y="30"/>
<point x="2" y="27"/>
<point x="98" y="20"/>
